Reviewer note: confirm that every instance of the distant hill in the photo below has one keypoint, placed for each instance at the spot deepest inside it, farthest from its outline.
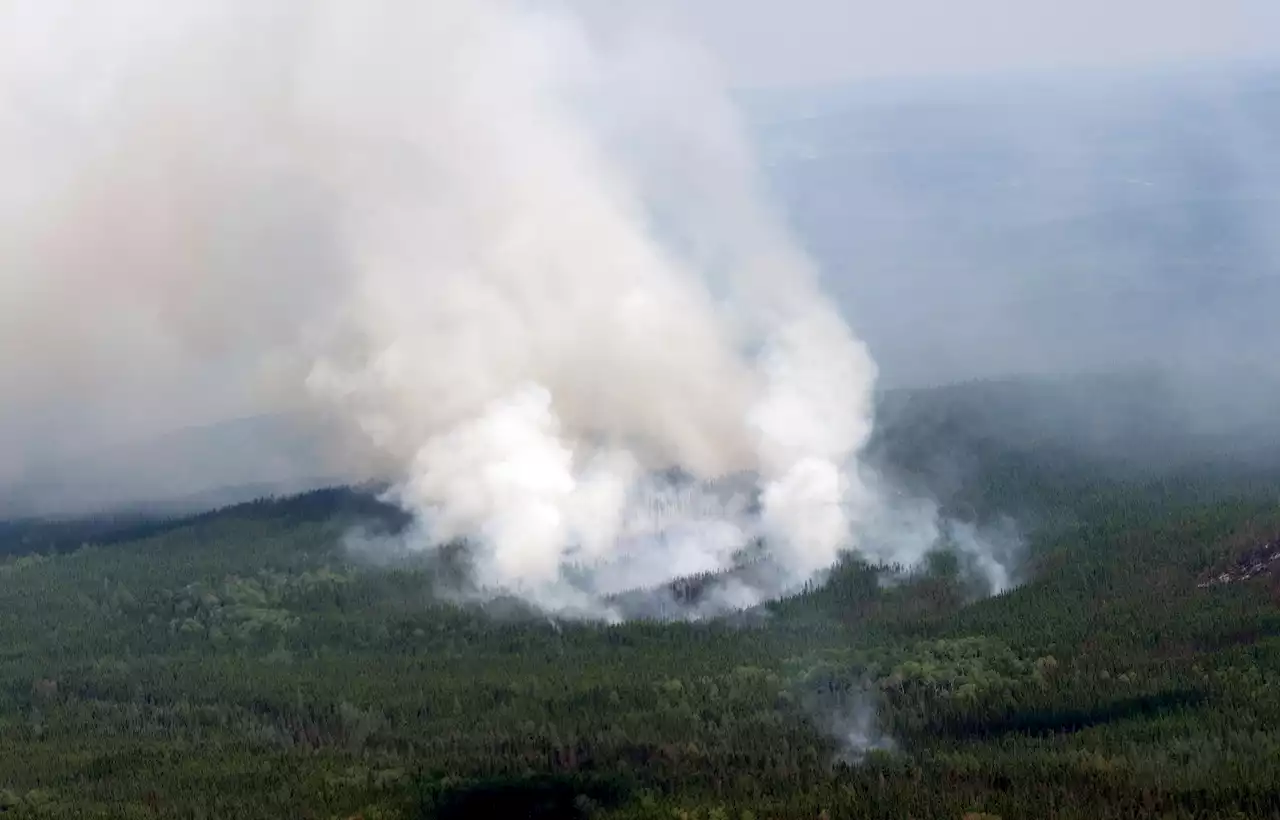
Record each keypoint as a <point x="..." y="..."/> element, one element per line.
<point x="1024" y="446"/>
<point x="969" y="440"/>
<point x="191" y="469"/>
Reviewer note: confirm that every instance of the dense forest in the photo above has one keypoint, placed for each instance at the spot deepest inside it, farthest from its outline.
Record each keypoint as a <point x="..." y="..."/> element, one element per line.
<point x="243" y="663"/>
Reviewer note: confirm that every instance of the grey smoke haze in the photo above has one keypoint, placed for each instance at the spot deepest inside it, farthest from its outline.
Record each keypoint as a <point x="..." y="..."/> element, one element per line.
<point x="968" y="230"/>
<point x="221" y="209"/>
<point x="1001" y="187"/>
<point x="435" y="223"/>
<point x="858" y="732"/>
<point x="1055" y="225"/>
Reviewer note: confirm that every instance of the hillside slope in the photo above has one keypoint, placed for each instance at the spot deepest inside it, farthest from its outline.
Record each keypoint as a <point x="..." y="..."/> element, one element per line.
<point x="186" y="470"/>
<point x="243" y="663"/>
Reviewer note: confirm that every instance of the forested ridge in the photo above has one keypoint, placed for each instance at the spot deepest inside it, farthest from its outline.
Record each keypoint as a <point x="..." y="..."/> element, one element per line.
<point x="243" y="664"/>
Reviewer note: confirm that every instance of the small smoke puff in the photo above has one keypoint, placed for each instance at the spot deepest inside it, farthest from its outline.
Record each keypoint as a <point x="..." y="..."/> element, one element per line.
<point x="859" y="733"/>
<point x="992" y="551"/>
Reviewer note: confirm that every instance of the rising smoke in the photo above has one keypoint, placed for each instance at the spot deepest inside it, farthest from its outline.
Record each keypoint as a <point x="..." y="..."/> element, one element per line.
<point x="522" y="269"/>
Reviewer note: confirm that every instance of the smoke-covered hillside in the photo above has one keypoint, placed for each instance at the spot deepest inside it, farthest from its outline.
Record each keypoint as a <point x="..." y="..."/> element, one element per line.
<point x="152" y="663"/>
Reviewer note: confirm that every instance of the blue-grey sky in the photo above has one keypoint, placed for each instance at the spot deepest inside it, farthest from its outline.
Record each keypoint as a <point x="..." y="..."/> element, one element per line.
<point x="771" y="43"/>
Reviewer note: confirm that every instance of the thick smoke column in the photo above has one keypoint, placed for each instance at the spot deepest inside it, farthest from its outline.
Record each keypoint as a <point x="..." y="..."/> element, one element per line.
<point x="527" y="342"/>
<point x="526" y="284"/>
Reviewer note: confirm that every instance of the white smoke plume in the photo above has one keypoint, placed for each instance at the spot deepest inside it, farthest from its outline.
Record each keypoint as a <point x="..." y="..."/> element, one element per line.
<point x="529" y="343"/>
<point x="858" y="731"/>
<point x="527" y="260"/>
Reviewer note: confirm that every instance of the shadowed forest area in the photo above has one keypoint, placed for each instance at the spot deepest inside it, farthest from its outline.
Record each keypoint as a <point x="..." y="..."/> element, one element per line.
<point x="241" y="663"/>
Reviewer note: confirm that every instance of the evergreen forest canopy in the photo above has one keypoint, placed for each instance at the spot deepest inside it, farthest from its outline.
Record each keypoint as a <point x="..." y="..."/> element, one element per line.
<point x="242" y="663"/>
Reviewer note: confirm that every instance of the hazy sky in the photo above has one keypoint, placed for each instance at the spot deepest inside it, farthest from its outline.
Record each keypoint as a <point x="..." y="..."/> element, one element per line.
<point x="115" y="373"/>
<point x="769" y="42"/>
